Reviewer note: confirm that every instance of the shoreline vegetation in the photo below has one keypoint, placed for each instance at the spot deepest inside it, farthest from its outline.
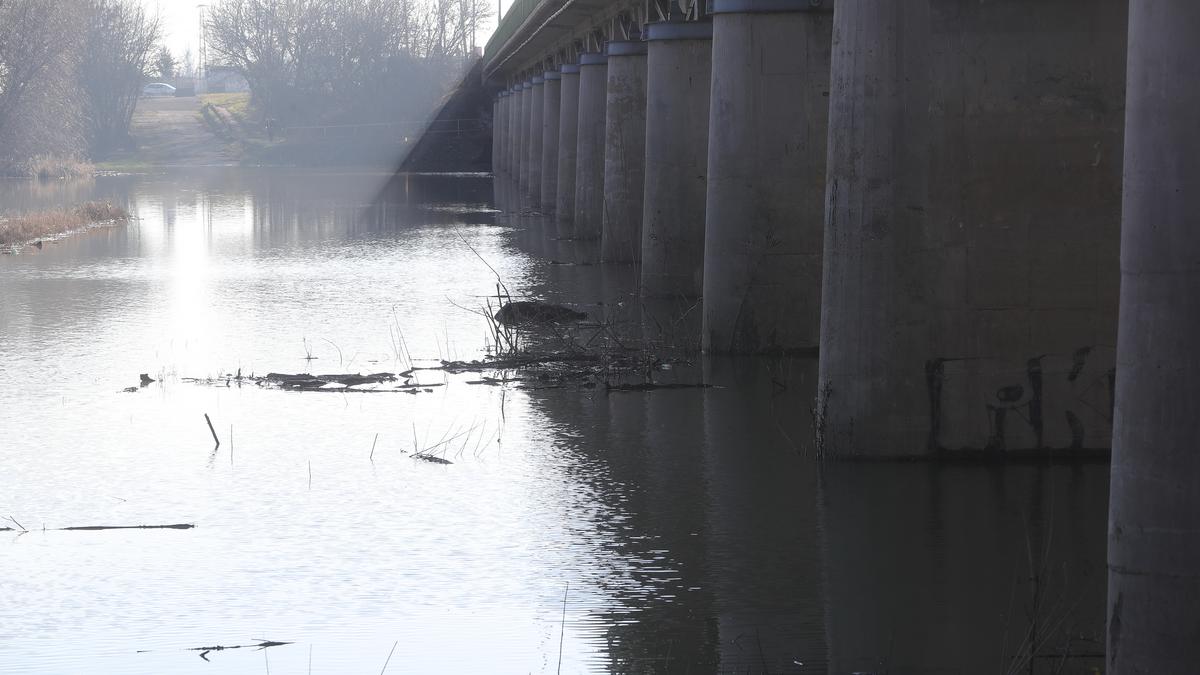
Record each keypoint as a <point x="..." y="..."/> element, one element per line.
<point x="17" y="231"/>
<point x="46" y="167"/>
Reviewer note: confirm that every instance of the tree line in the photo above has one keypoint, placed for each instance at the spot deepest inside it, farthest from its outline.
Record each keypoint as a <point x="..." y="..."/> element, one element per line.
<point x="70" y="75"/>
<point x="322" y="61"/>
<point x="71" y="71"/>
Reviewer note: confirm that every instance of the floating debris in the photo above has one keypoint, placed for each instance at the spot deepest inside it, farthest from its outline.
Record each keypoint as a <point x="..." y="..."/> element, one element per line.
<point x="205" y="651"/>
<point x="340" y="382"/>
<point x="177" y="526"/>
<point x="94" y="528"/>
<point x="515" y="361"/>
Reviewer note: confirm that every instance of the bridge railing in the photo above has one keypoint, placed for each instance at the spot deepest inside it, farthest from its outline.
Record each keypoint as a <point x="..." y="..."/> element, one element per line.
<point x="509" y="23"/>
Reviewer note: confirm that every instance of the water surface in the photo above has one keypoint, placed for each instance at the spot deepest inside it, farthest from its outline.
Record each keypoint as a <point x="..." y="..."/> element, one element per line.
<point x="687" y="530"/>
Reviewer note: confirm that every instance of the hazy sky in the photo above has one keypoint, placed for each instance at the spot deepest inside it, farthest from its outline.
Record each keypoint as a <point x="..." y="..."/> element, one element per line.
<point x="181" y="27"/>
<point x="181" y="24"/>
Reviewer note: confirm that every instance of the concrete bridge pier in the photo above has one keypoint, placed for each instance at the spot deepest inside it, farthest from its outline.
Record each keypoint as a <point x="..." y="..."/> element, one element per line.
<point x="521" y="152"/>
<point x="506" y="131"/>
<point x="568" y="125"/>
<point x="533" y="187"/>
<point x="766" y="175"/>
<point x="499" y="131"/>
<point x="624" y="152"/>
<point x="514" y="157"/>
<point x="1154" y="520"/>
<point x="496" y="132"/>
<point x="589" y="147"/>
<point x="970" y="284"/>
<point x="551" y="95"/>
<point x="678" y="78"/>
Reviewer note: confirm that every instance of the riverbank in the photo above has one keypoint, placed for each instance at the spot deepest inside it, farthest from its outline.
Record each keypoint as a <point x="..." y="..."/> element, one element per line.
<point x="49" y="168"/>
<point x="28" y="228"/>
<point x="170" y="132"/>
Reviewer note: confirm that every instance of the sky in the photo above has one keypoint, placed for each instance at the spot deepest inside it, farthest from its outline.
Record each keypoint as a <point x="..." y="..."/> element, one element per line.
<point x="181" y="24"/>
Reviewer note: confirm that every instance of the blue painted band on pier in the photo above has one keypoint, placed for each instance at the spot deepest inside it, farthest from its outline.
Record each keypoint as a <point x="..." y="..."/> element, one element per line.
<point x="769" y="6"/>
<point x="625" y="48"/>
<point x="679" y="30"/>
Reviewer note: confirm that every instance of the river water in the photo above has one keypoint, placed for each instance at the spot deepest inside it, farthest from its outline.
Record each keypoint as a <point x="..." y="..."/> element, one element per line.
<point x="577" y="530"/>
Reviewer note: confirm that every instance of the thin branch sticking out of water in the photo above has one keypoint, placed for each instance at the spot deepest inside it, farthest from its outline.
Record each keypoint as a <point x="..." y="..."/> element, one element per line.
<point x="389" y="658"/>
<point x="562" y="634"/>
<point x="212" y="431"/>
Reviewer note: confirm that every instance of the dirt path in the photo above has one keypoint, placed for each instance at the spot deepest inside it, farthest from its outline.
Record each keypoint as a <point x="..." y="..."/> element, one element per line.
<point x="169" y="132"/>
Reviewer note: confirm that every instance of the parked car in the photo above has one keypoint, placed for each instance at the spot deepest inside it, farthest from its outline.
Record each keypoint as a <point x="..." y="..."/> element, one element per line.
<point x="158" y="89"/>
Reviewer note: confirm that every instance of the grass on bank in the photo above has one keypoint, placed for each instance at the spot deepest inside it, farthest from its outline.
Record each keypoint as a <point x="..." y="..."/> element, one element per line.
<point x="236" y="120"/>
<point x="29" y="227"/>
<point x="237" y="104"/>
<point x="227" y="116"/>
<point x="116" y="166"/>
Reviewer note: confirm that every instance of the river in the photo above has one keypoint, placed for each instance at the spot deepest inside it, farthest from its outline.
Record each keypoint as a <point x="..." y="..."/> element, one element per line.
<point x="577" y="530"/>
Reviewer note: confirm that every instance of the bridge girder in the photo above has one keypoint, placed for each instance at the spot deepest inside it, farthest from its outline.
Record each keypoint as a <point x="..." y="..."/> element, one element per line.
<point x="553" y="32"/>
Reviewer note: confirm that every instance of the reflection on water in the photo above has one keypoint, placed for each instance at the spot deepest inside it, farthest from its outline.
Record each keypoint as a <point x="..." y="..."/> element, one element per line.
<point x="689" y="530"/>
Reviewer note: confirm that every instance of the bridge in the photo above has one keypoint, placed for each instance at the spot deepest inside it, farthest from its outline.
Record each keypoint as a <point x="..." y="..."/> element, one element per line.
<point x="981" y="218"/>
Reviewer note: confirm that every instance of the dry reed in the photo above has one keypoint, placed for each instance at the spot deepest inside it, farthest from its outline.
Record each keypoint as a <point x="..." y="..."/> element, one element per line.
<point x="57" y="168"/>
<point x="30" y="227"/>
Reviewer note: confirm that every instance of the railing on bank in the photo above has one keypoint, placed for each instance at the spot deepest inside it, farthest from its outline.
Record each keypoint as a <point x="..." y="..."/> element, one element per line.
<point x="398" y="131"/>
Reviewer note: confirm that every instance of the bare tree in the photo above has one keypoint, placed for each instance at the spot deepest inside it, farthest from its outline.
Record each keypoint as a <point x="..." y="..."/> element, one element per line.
<point x="70" y="75"/>
<point x="121" y="41"/>
<point x="39" y="106"/>
<point x="309" y="60"/>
